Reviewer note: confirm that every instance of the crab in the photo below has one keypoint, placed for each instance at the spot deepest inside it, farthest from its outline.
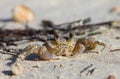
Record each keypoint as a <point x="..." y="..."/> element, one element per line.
<point x="61" y="47"/>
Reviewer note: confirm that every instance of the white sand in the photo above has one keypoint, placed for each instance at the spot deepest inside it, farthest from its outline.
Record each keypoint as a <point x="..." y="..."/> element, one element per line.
<point x="59" y="11"/>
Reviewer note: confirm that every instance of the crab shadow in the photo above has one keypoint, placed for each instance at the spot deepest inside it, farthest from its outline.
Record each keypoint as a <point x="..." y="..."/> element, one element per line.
<point x="6" y="20"/>
<point x="7" y="72"/>
<point x="31" y="57"/>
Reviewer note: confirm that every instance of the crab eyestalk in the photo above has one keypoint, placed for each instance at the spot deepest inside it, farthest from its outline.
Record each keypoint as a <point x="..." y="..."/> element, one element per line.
<point x="71" y="40"/>
<point x="71" y="35"/>
<point x="56" y="36"/>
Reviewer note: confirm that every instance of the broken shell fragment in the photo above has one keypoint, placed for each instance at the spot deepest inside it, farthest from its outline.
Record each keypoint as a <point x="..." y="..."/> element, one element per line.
<point x="116" y="9"/>
<point x="23" y="14"/>
<point x="17" y="69"/>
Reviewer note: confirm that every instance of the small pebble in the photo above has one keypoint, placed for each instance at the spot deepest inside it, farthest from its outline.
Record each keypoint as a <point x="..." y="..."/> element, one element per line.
<point x="55" y="66"/>
<point x="111" y="77"/>
<point x="17" y="69"/>
<point x="61" y="65"/>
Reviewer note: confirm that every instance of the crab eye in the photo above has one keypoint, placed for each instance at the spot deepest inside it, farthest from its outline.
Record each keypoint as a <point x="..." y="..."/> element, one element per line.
<point x="70" y="42"/>
<point x="71" y="35"/>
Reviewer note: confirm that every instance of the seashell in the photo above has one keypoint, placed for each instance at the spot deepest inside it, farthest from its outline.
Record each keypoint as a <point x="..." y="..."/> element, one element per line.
<point x="116" y="9"/>
<point x="23" y="14"/>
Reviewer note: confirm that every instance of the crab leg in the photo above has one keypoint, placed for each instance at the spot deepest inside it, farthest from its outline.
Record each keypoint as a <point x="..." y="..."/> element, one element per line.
<point x="79" y="48"/>
<point x="49" y="48"/>
<point x="28" y="50"/>
<point x="102" y="44"/>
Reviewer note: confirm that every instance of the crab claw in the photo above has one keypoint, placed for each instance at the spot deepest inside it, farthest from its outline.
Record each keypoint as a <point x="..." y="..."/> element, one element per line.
<point x="46" y="55"/>
<point x="78" y="49"/>
<point x="81" y="50"/>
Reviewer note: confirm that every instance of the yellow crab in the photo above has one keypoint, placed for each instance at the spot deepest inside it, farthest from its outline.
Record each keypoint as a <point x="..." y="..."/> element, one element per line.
<point x="54" y="49"/>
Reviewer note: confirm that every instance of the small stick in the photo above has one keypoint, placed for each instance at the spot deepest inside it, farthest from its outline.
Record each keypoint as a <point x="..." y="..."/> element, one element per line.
<point x="13" y="39"/>
<point x="91" y="71"/>
<point x="84" y="21"/>
<point x="86" y="68"/>
<point x="97" y="25"/>
<point x="49" y="24"/>
<point x="88" y="26"/>
<point x="9" y="53"/>
<point x="114" y="50"/>
<point x="92" y="34"/>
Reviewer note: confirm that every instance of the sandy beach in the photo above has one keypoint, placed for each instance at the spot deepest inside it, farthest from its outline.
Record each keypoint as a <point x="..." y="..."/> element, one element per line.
<point x="60" y="11"/>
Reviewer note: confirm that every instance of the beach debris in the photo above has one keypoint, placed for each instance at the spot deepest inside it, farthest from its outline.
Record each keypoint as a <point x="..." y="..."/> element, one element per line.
<point x="48" y="23"/>
<point x="10" y="37"/>
<point x="116" y="9"/>
<point x="111" y="77"/>
<point x="23" y="14"/>
<point x="57" y="66"/>
<point x="17" y="69"/>
<point x="64" y="27"/>
<point x="88" y="70"/>
<point x="115" y="50"/>
<point x="58" y="77"/>
<point x="77" y="25"/>
<point x="95" y="33"/>
<point x="37" y="65"/>
<point x="1" y="65"/>
<point x="117" y="37"/>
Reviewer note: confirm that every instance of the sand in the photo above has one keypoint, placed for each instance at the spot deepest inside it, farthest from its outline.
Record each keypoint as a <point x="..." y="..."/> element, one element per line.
<point x="103" y="64"/>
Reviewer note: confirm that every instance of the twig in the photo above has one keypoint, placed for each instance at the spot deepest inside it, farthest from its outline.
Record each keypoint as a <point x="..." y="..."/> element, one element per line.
<point x="86" y="68"/>
<point x="91" y="71"/>
<point x="48" y="23"/>
<point x="92" y="34"/>
<point x="9" y="53"/>
<point x="13" y="39"/>
<point x="84" y="27"/>
<point x="84" y="21"/>
<point x="90" y="26"/>
<point x="13" y="53"/>
<point x="114" y="50"/>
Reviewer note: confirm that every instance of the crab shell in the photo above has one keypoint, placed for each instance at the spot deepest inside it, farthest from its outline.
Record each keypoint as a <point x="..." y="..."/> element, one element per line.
<point x="54" y="49"/>
<point x="46" y="55"/>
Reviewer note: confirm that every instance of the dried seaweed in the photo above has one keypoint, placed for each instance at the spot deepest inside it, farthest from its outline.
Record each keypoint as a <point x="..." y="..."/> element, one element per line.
<point x="9" y="37"/>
